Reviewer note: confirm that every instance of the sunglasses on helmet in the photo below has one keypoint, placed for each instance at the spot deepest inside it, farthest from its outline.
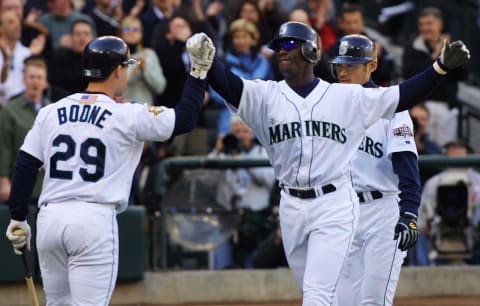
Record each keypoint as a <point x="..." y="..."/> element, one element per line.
<point x="286" y="45"/>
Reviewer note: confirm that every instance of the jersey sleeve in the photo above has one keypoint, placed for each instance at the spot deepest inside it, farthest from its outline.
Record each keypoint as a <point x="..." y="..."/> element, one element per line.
<point x="400" y="134"/>
<point x="32" y="143"/>
<point x="376" y="103"/>
<point x="251" y="101"/>
<point x="153" y="123"/>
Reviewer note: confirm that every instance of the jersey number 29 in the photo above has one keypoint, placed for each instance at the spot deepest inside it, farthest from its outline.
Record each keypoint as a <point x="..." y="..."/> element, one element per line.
<point x="97" y="160"/>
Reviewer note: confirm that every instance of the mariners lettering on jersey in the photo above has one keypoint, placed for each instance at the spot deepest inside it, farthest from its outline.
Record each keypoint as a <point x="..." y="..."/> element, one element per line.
<point x="371" y="147"/>
<point x="285" y="131"/>
<point x="87" y="113"/>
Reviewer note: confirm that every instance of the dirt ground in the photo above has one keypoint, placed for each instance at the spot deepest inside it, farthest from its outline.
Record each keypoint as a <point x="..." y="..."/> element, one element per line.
<point x="430" y="301"/>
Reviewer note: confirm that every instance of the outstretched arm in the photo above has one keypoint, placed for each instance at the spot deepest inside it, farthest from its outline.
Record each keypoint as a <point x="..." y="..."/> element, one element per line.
<point x="227" y="84"/>
<point x="418" y="87"/>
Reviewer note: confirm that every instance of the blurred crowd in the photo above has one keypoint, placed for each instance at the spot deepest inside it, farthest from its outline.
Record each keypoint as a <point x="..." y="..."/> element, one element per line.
<point x="41" y="44"/>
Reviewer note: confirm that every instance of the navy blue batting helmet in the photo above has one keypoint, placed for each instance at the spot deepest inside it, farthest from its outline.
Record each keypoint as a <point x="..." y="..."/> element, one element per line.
<point x="354" y="49"/>
<point x="301" y="32"/>
<point x="102" y="55"/>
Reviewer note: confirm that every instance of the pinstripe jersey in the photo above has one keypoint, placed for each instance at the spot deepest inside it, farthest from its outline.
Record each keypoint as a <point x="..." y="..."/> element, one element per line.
<point x="311" y="140"/>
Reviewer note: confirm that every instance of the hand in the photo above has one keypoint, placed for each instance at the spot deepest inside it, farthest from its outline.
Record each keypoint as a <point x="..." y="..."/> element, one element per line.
<point x="5" y="187"/>
<point x="201" y="52"/>
<point x="454" y="55"/>
<point x="37" y="44"/>
<point x="19" y="242"/>
<point x="406" y="231"/>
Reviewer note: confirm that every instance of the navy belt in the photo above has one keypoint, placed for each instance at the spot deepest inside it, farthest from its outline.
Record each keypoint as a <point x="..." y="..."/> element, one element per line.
<point x="375" y="195"/>
<point x="309" y="193"/>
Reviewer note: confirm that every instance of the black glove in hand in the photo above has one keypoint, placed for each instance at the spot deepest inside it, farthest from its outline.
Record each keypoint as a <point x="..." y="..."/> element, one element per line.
<point x="453" y="55"/>
<point x="406" y="231"/>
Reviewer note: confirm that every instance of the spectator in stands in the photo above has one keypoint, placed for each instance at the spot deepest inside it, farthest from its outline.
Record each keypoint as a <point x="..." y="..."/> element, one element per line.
<point x="250" y="187"/>
<point x="244" y="60"/>
<point x="17" y="117"/>
<point x="34" y="34"/>
<point x="429" y="217"/>
<point x="13" y="53"/>
<point x="321" y="18"/>
<point x="442" y="102"/>
<point x="59" y="21"/>
<point x="106" y="17"/>
<point x="65" y="66"/>
<point x="145" y="79"/>
<point x="159" y="13"/>
<point x="351" y="21"/>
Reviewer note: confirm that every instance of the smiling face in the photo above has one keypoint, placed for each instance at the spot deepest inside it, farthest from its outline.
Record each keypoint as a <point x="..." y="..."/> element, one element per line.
<point x="291" y="62"/>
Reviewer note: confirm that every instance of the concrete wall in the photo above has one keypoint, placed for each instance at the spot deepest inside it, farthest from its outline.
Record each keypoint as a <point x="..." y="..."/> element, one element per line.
<point x="256" y="286"/>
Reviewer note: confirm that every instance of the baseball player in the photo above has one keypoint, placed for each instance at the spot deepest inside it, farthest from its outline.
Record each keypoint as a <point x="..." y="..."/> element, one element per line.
<point x="311" y="130"/>
<point x="90" y="146"/>
<point x="384" y="169"/>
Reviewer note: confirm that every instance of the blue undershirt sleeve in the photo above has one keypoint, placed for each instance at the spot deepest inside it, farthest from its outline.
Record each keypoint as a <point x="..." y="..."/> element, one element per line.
<point x="417" y="88"/>
<point x="405" y="165"/>
<point x="23" y="182"/>
<point x="227" y="84"/>
<point x="188" y="108"/>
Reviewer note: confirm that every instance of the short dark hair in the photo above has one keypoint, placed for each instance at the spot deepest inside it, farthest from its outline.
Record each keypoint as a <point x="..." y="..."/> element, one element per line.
<point x="459" y="143"/>
<point x="81" y="20"/>
<point x="351" y="8"/>
<point x="431" y="11"/>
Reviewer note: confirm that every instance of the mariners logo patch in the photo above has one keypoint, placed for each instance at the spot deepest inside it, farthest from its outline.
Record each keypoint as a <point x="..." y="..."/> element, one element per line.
<point x="343" y="48"/>
<point x="403" y="130"/>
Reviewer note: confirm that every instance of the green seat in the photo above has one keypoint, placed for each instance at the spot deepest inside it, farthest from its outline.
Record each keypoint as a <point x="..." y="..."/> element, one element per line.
<point x="131" y="224"/>
<point x="11" y="267"/>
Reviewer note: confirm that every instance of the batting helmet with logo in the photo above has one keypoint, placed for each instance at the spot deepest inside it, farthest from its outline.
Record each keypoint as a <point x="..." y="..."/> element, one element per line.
<point x="302" y="32"/>
<point x="102" y="55"/>
<point x="354" y="49"/>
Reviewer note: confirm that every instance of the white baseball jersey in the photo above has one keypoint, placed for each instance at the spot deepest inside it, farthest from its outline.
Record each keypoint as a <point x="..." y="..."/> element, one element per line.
<point x="90" y="146"/>
<point x="372" y="165"/>
<point x="311" y="141"/>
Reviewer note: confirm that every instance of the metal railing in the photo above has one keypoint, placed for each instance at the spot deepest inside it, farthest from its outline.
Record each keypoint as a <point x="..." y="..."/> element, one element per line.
<point x="159" y="233"/>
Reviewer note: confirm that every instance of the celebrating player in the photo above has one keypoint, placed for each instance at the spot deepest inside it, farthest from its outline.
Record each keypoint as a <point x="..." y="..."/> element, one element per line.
<point x="90" y="146"/>
<point x="311" y="130"/>
<point x="384" y="168"/>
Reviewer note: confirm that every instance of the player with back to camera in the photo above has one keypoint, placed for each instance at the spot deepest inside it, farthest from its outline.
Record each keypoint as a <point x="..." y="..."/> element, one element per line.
<point x="311" y="130"/>
<point x="90" y="146"/>
<point x="385" y="177"/>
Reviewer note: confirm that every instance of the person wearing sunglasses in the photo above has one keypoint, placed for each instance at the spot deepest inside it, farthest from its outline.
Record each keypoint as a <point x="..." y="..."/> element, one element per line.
<point x="387" y="180"/>
<point x="146" y="79"/>
<point x="311" y="129"/>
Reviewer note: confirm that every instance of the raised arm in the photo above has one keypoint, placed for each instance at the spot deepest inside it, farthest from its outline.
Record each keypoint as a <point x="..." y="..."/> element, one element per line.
<point x="418" y="87"/>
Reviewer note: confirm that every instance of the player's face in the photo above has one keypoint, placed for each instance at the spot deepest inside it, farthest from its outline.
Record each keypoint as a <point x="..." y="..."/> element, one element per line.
<point x="35" y="79"/>
<point x="291" y="62"/>
<point x="354" y="74"/>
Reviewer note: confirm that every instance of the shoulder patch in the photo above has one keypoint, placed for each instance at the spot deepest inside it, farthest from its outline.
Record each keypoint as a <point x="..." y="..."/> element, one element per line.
<point x="155" y="110"/>
<point x="403" y="130"/>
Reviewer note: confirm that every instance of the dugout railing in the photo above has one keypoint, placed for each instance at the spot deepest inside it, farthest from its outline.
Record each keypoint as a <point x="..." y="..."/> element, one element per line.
<point x="158" y="231"/>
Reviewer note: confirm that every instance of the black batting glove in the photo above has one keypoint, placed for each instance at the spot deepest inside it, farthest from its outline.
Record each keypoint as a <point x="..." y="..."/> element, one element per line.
<point x="453" y="55"/>
<point x="406" y="231"/>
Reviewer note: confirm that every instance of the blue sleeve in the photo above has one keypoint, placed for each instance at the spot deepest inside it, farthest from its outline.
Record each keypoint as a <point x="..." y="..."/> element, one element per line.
<point x="405" y="165"/>
<point x="227" y="84"/>
<point x="23" y="182"/>
<point x="188" y="108"/>
<point x="417" y="88"/>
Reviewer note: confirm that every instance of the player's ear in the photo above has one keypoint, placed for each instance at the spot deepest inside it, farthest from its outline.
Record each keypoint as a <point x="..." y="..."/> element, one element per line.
<point x="373" y="65"/>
